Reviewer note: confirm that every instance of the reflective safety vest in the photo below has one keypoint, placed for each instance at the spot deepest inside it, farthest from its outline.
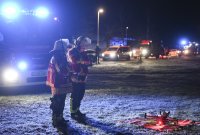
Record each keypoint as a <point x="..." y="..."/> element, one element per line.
<point x="79" y="63"/>
<point x="57" y="77"/>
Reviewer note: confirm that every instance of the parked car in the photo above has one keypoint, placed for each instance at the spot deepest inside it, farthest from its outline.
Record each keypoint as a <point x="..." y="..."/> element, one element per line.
<point x="117" y="53"/>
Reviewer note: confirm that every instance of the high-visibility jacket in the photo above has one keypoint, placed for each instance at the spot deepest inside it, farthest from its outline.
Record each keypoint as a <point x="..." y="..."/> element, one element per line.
<point x="57" y="75"/>
<point x="79" y="63"/>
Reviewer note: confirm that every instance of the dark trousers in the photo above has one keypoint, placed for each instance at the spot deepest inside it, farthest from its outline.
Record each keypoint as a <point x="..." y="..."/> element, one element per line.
<point x="58" y="105"/>
<point x="78" y="92"/>
<point x="97" y="58"/>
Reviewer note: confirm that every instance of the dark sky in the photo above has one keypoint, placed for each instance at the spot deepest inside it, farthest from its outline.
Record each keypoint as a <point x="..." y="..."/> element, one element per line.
<point x="167" y="20"/>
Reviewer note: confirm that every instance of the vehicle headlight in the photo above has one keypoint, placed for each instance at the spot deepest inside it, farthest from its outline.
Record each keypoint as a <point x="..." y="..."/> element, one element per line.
<point x="134" y="51"/>
<point x="186" y="51"/>
<point x="144" y="52"/>
<point x="103" y="54"/>
<point x="10" y="75"/>
<point x="130" y="54"/>
<point x="112" y="55"/>
<point x="22" y="65"/>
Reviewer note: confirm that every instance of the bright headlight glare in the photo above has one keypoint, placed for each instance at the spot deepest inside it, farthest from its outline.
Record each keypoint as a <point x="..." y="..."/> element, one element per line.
<point x="134" y="51"/>
<point x="186" y="51"/>
<point x="130" y="53"/>
<point x="112" y="55"/>
<point x="10" y="75"/>
<point x="103" y="54"/>
<point x="144" y="52"/>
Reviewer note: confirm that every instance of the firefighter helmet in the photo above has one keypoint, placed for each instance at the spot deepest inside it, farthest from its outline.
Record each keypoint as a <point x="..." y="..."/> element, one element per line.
<point x="82" y="41"/>
<point x="61" y="45"/>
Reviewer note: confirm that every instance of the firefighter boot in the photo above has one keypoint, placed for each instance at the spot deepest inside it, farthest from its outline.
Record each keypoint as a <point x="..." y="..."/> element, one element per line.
<point x="83" y="115"/>
<point x="59" y="121"/>
<point x="78" y="116"/>
<point x="57" y="112"/>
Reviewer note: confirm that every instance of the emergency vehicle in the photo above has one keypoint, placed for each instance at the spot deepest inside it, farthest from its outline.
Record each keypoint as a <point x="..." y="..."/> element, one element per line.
<point x="174" y="53"/>
<point x="192" y="48"/>
<point x="26" y="36"/>
<point x="117" y="53"/>
<point x="147" y="48"/>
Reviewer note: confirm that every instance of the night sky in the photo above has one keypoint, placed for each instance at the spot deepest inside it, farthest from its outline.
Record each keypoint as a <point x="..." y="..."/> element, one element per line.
<point x="167" y="20"/>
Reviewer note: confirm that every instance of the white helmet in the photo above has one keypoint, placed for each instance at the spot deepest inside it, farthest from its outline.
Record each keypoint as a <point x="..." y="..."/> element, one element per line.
<point x="82" y="40"/>
<point x="61" y="45"/>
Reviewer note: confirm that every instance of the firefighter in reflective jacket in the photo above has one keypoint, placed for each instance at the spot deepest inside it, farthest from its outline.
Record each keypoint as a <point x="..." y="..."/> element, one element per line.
<point x="79" y="63"/>
<point x="58" y="78"/>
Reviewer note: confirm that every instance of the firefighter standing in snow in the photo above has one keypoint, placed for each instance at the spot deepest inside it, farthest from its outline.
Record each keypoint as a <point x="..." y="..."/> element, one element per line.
<point x="79" y="63"/>
<point x="58" y="79"/>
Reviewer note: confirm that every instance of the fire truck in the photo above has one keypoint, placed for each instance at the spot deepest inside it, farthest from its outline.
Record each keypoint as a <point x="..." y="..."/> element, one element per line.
<point x="148" y="48"/>
<point x="26" y="36"/>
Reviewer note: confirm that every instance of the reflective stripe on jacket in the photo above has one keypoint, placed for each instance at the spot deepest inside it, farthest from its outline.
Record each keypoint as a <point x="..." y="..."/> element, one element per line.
<point x="56" y="77"/>
<point x="79" y="64"/>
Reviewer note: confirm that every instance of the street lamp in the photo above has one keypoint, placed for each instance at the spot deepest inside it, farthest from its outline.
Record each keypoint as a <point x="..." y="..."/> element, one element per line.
<point x="126" y="34"/>
<point x="99" y="11"/>
<point x="59" y="24"/>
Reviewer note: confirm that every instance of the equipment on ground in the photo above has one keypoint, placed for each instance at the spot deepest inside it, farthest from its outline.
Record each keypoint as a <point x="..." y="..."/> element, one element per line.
<point x="161" y="122"/>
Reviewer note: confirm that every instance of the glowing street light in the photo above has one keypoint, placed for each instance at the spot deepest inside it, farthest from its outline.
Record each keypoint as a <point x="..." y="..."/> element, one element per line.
<point x="126" y="32"/>
<point x="59" y="22"/>
<point x="99" y="11"/>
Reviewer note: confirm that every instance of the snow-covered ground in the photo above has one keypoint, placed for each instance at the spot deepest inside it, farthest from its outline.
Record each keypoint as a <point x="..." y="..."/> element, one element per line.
<point x="116" y="91"/>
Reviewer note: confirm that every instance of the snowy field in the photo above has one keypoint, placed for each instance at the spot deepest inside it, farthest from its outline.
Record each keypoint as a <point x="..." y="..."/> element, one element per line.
<point x="116" y="91"/>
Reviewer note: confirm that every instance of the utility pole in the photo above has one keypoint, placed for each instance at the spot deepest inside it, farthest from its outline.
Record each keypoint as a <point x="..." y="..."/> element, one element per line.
<point x="147" y="27"/>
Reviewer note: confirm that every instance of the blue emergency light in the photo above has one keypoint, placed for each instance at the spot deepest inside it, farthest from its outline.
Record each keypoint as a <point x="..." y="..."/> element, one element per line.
<point x="42" y="12"/>
<point x="13" y="11"/>
<point x="10" y="10"/>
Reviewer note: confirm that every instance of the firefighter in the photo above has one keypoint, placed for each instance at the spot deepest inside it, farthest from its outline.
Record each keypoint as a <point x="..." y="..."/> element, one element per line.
<point x="79" y="63"/>
<point x="58" y="79"/>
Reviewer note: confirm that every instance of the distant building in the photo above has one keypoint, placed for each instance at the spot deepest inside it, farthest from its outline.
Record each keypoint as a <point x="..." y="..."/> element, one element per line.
<point x="120" y="41"/>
